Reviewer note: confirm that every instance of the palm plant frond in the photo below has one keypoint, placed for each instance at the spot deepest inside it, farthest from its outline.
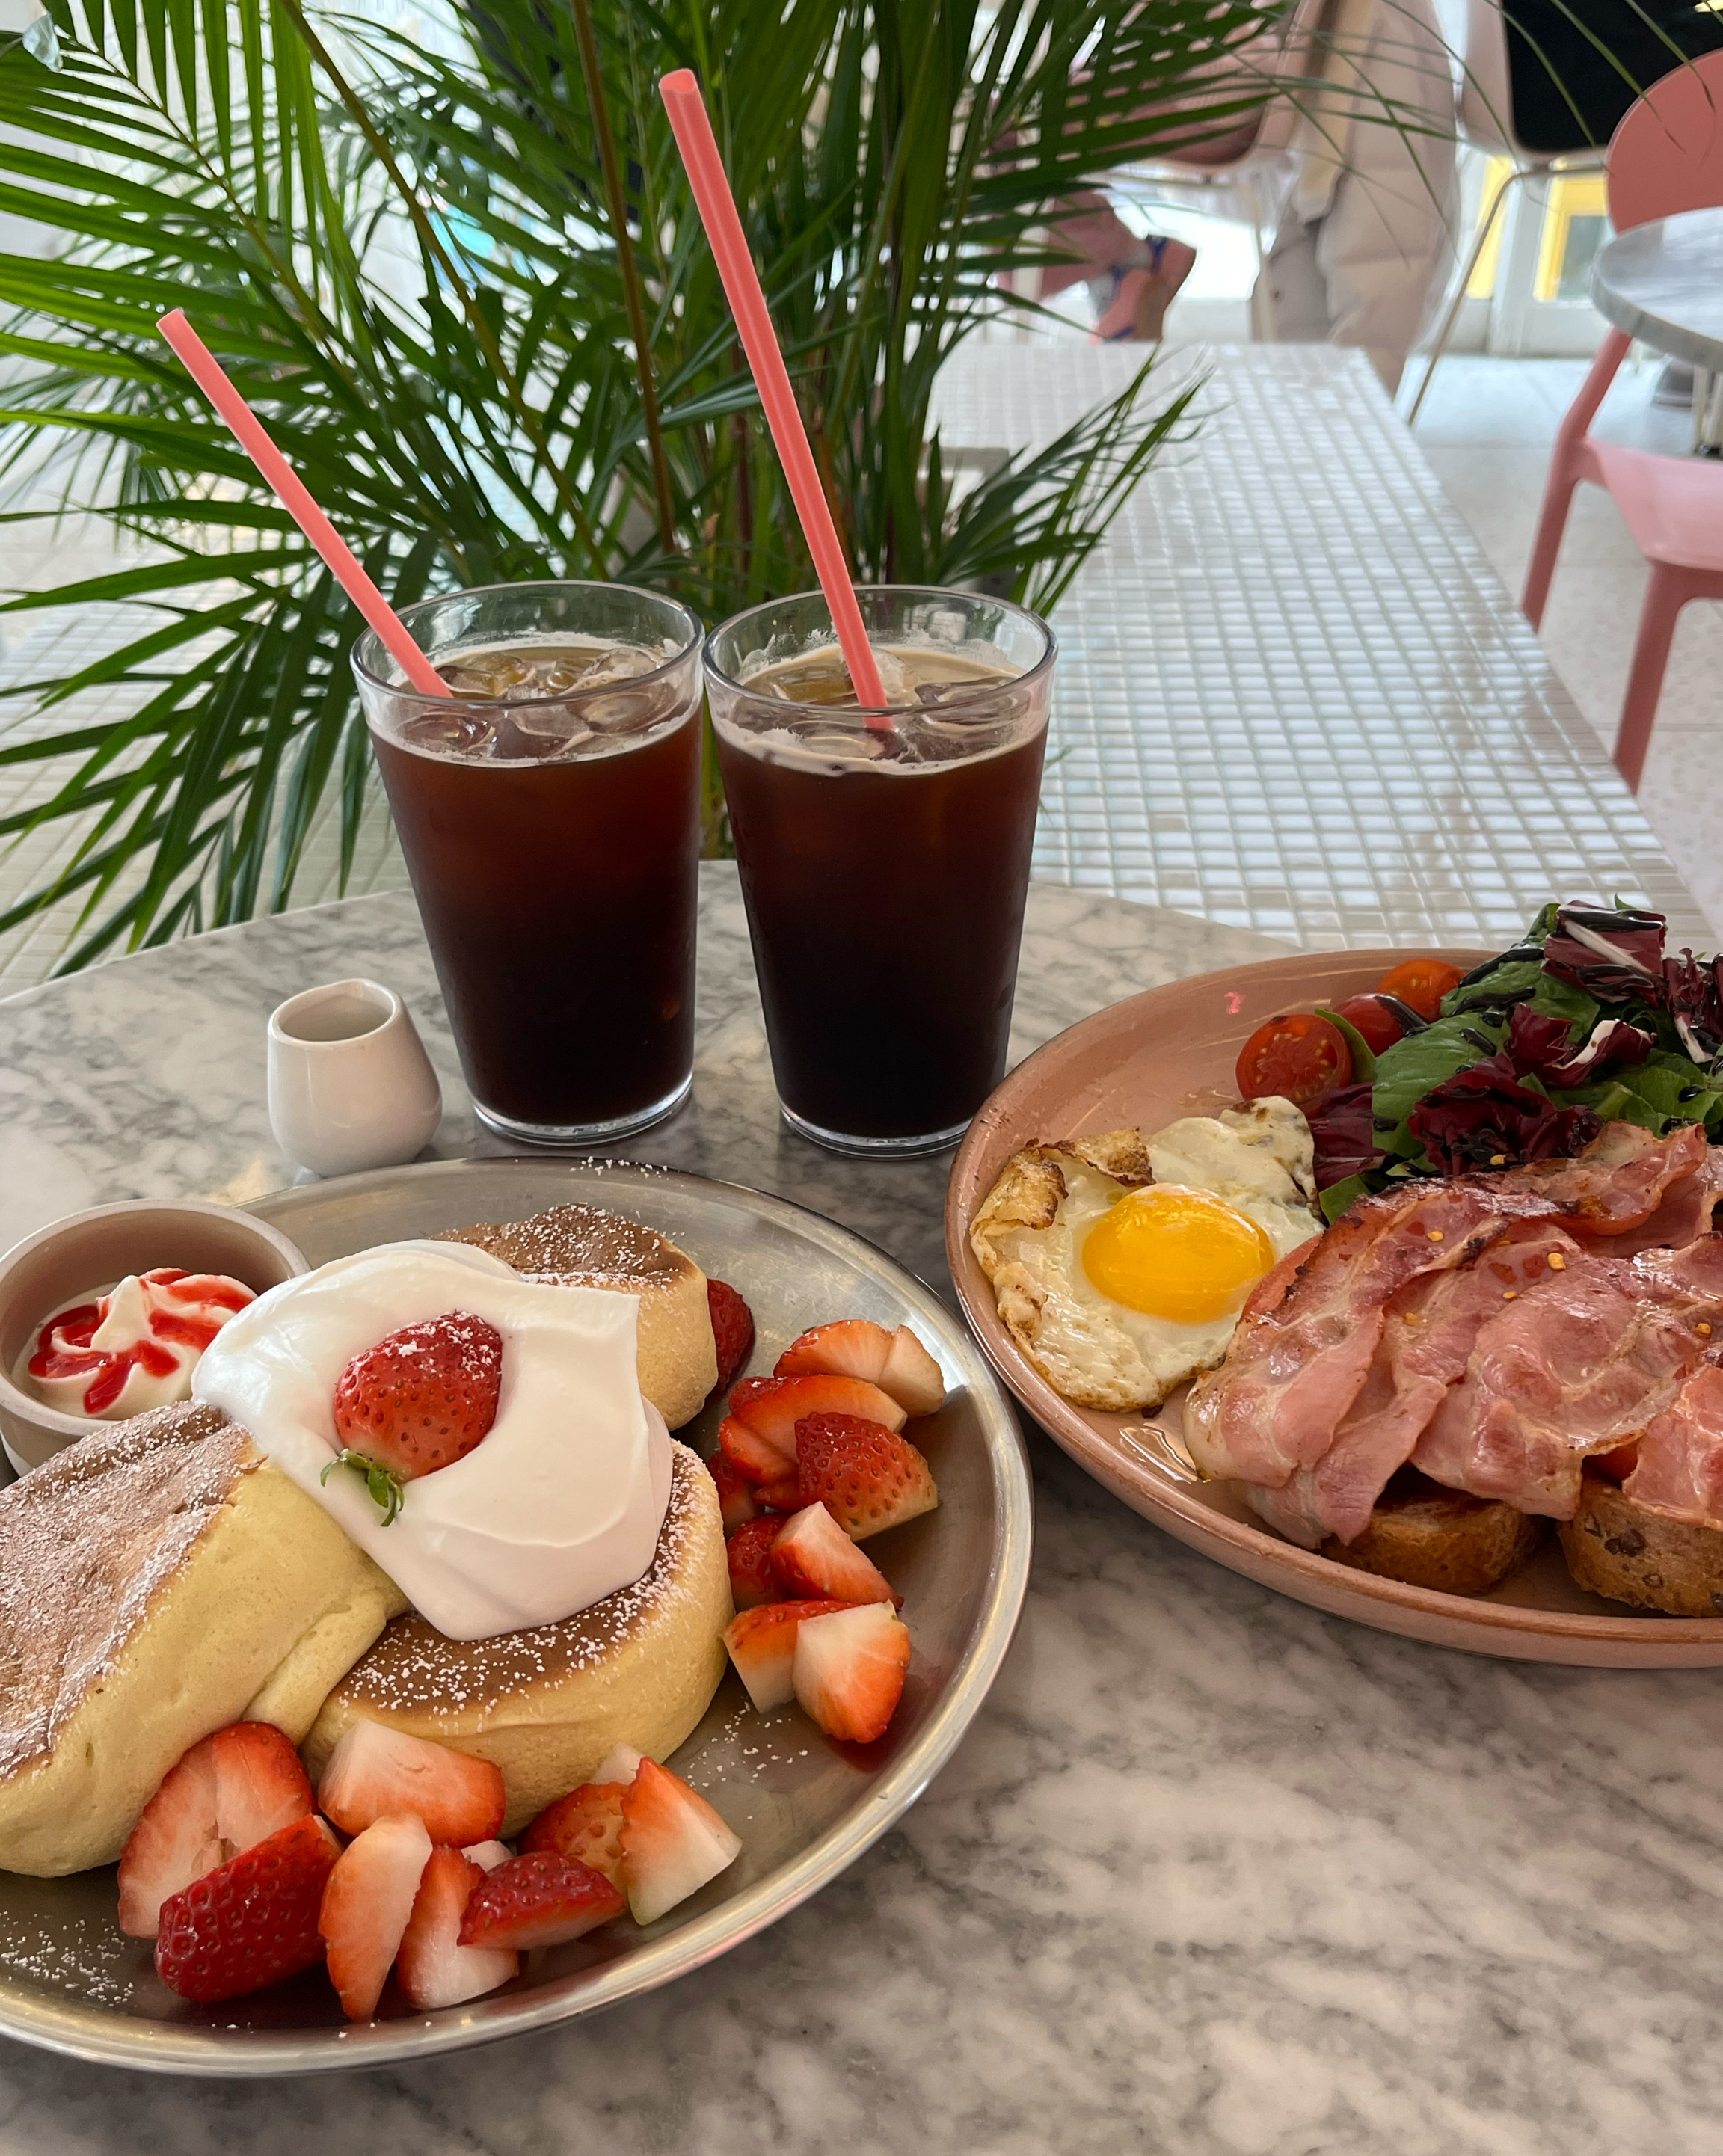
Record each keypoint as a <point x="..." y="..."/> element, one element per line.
<point x="444" y="272"/>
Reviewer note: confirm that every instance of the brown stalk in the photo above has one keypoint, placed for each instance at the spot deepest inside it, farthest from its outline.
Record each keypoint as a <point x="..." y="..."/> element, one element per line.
<point x="619" y="209"/>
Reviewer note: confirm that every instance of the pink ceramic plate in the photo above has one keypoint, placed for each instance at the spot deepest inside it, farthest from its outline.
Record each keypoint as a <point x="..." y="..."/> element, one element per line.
<point x="1169" y="1053"/>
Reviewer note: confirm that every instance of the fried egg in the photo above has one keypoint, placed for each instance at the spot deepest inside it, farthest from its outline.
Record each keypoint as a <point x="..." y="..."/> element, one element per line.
<point x="1121" y="1264"/>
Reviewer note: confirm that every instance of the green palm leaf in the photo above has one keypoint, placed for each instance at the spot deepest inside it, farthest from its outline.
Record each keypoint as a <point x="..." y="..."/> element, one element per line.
<point x="408" y="261"/>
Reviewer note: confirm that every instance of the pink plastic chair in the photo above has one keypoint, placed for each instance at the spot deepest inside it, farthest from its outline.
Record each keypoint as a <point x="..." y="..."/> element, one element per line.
<point x="1666" y="156"/>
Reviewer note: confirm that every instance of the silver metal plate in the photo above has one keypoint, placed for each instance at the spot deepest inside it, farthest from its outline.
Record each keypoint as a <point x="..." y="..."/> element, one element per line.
<point x="804" y="1807"/>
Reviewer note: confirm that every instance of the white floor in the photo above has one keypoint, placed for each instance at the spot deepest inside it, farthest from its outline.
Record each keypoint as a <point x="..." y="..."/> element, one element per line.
<point x="1488" y="427"/>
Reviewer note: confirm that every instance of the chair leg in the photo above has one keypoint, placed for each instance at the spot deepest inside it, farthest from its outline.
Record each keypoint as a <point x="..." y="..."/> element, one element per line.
<point x="1566" y="469"/>
<point x="1665" y="596"/>
<point x="1486" y="225"/>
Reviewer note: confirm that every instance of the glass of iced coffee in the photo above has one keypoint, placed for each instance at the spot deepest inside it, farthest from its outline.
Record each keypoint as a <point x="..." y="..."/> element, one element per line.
<point x="885" y="855"/>
<point x="549" y="812"/>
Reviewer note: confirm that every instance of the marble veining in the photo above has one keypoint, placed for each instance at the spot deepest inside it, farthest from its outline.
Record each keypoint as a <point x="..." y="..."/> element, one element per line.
<point x="1211" y="1872"/>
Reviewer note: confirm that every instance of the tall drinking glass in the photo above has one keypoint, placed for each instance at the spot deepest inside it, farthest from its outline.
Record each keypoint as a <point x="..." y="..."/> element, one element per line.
<point x="549" y="812"/>
<point x="885" y="856"/>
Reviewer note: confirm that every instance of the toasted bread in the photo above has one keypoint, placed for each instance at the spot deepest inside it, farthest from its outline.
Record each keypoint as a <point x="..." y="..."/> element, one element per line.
<point x="1619" y="1548"/>
<point x="1429" y="1536"/>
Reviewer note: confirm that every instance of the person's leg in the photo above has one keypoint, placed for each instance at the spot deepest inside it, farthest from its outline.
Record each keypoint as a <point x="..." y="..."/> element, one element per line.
<point x="1141" y="296"/>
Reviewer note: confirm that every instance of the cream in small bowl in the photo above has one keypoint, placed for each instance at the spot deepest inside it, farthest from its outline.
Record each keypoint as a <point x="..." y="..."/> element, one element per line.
<point x="148" y="1338"/>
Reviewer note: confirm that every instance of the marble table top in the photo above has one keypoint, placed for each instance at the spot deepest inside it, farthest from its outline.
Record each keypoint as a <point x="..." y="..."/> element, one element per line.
<point x="1663" y="282"/>
<point x="1211" y="1872"/>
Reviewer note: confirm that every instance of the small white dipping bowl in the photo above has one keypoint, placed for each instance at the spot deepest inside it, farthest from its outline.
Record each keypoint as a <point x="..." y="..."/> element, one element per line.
<point x="47" y="1272"/>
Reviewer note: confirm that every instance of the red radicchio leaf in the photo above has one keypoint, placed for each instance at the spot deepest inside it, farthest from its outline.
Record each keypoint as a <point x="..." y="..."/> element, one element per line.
<point x="1694" y="988"/>
<point x="1344" y="1136"/>
<point x="1484" y="1118"/>
<point x="1610" y="956"/>
<point x="1542" y="1046"/>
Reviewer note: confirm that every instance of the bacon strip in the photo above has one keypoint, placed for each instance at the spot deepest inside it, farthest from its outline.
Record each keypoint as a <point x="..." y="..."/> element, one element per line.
<point x="1680" y="1470"/>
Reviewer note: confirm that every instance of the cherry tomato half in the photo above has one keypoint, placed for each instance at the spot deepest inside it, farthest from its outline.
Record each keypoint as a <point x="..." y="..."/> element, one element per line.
<point x="1371" y="1016"/>
<point x="1301" y="1056"/>
<point x="1421" y="982"/>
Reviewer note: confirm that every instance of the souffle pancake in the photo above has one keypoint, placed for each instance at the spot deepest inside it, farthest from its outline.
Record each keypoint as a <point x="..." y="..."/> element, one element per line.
<point x="586" y="1246"/>
<point x="158" y="1579"/>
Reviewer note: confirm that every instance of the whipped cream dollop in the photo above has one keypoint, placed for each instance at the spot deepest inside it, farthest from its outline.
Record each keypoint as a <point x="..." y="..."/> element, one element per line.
<point x="121" y="1351"/>
<point x="560" y="1502"/>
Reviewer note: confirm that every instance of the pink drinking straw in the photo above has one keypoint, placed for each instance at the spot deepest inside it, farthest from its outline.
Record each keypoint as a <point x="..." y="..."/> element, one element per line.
<point x="694" y="139"/>
<point x="200" y="362"/>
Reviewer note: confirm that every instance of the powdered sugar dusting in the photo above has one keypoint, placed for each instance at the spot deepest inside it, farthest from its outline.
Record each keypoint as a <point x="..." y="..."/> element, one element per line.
<point x="90" y="1539"/>
<point x="414" y="1667"/>
<point x="579" y="1243"/>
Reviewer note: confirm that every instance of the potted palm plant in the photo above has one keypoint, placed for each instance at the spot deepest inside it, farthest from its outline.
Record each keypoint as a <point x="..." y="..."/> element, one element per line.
<point x="459" y="273"/>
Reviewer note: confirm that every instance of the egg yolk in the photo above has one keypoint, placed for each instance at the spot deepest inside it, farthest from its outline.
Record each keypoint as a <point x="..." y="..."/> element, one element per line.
<point x="1182" y="1255"/>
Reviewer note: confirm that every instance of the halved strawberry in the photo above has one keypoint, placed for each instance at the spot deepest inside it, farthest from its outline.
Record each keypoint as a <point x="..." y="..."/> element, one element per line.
<point x="749" y="1550"/>
<point x="736" y="1501"/>
<point x="366" y="1902"/>
<point x="252" y="1922"/>
<point x="620" y="1763"/>
<point x="538" y="1900"/>
<point x="374" y="1770"/>
<point x="812" y="1556"/>
<point x="732" y="1330"/>
<point x="848" y="1348"/>
<point x="783" y="1495"/>
<point x="761" y="1643"/>
<point x="488" y="1855"/>
<point x="420" y="1400"/>
<point x="228" y="1793"/>
<point x="849" y="1669"/>
<point x="896" y="1362"/>
<point x="771" y="1407"/>
<point x="434" y="1967"/>
<point x="752" y="1458"/>
<point x="865" y="1475"/>
<point x="673" y="1841"/>
<point x="586" y="1824"/>
<point x="912" y="1377"/>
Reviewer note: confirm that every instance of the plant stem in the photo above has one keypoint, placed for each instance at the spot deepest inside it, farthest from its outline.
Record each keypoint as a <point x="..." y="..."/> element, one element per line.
<point x="630" y="276"/>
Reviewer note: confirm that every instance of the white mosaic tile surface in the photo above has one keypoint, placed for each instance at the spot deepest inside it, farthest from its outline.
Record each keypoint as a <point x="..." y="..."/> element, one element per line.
<point x="1295" y="695"/>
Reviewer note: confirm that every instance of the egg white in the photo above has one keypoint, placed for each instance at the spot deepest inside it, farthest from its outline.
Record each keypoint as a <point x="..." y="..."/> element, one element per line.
<point x="1098" y="1352"/>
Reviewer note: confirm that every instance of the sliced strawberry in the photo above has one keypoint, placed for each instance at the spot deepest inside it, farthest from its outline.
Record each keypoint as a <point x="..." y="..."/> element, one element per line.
<point x="771" y="1407"/>
<point x="850" y="1347"/>
<point x="374" y="1771"/>
<point x="761" y="1643"/>
<point x="366" y="1902"/>
<point x="896" y="1362"/>
<point x="620" y="1763"/>
<point x="732" y="1331"/>
<point x="865" y="1475"/>
<point x="736" y="1501"/>
<point x="813" y="1557"/>
<point x="849" y="1669"/>
<point x="488" y="1855"/>
<point x="434" y="1967"/>
<point x="748" y="1549"/>
<point x="228" y="1793"/>
<point x="260" y="1784"/>
<point x="673" y="1842"/>
<point x="538" y="1900"/>
<point x="586" y="1824"/>
<point x="912" y="1377"/>
<point x="783" y="1495"/>
<point x="419" y="1400"/>
<point x="252" y="1922"/>
<point x="752" y="1458"/>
